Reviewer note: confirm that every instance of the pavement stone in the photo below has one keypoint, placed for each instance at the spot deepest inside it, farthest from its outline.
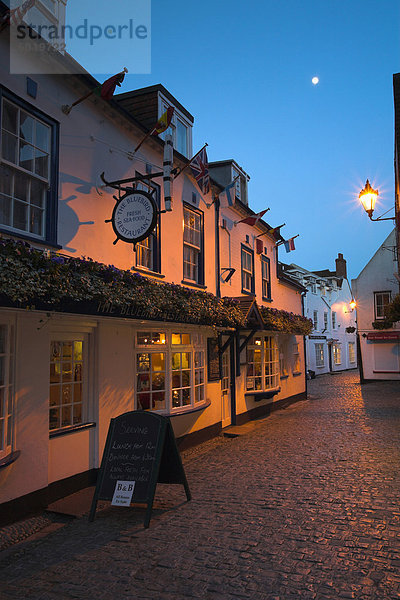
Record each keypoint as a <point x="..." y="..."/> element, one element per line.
<point x="303" y="505"/>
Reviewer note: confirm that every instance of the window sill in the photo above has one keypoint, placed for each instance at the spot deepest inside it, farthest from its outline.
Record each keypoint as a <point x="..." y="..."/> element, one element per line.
<point x="267" y="300"/>
<point x="148" y="272"/>
<point x="263" y="395"/>
<point x="33" y="240"/>
<point x="248" y="293"/>
<point x="60" y="432"/>
<point x="296" y="373"/>
<point x="200" y="286"/>
<point x="8" y="460"/>
<point x="187" y="411"/>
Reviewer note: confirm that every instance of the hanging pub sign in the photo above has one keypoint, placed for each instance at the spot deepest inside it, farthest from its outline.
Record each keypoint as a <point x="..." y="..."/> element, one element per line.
<point x="134" y="216"/>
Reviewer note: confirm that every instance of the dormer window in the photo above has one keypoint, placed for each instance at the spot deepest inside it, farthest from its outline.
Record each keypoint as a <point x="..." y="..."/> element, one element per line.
<point x="180" y="129"/>
<point x="240" y="184"/>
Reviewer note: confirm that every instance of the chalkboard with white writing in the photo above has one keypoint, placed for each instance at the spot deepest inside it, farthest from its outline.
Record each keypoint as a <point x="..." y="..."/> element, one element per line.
<point x="141" y="449"/>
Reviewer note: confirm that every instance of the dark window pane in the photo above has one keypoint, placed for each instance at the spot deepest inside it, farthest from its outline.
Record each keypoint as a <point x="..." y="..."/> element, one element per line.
<point x="21" y="187"/>
<point x="26" y="156"/>
<point x="20" y="216"/>
<point x="42" y="137"/>
<point x="26" y="127"/>
<point x="5" y="210"/>
<point x="9" y="147"/>
<point x="41" y="164"/>
<point x="10" y="114"/>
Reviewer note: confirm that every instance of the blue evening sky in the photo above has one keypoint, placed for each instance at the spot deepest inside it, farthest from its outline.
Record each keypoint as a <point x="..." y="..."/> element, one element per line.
<point x="244" y="70"/>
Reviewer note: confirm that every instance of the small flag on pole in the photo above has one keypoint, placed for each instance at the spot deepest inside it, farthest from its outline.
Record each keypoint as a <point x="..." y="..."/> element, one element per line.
<point x="105" y="90"/>
<point x="275" y="232"/>
<point x="199" y="167"/>
<point x="229" y="193"/>
<point x="164" y="121"/>
<point x="254" y="219"/>
<point x="289" y="245"/>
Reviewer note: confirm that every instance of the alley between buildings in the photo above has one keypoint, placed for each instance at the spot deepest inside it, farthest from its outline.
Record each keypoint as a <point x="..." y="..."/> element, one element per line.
<point x="304" y="504"/>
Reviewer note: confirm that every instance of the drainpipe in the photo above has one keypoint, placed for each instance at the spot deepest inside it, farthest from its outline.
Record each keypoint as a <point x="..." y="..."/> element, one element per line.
<point x="303" y="294"/>
<point x="217" y="254"/>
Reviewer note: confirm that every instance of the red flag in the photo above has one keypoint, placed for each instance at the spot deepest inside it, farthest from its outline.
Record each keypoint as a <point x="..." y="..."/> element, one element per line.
<point x="107" y="89"/>
<point x="254" y="219"/>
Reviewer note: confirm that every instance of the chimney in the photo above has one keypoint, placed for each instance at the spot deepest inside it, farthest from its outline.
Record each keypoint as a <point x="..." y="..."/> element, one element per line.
<point x="341" y="267"/>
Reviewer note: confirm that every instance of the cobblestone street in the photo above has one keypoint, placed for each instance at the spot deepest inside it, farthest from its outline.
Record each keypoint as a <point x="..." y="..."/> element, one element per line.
<point x="304" y="505"/>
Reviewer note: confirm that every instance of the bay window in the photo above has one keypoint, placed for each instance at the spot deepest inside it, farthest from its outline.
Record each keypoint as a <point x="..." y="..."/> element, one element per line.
<point x="262" y="364"/>
<point x="170" y="378"/>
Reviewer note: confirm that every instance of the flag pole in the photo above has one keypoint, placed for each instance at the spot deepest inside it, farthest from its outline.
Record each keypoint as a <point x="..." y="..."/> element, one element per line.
<point x="191" y="160"/>
<point x="148" y="134"/>
<point x="292" y="238"/>
<point x="265" y="232"/>
<point x="66" y="108"/>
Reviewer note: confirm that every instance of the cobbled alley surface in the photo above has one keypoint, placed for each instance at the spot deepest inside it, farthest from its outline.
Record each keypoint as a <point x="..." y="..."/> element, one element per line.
<point x="304" y="505"/>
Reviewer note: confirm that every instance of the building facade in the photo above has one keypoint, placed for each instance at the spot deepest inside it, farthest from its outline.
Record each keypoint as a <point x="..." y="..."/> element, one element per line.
<point x="83" y="340"/>
<point x="332" y="344"/>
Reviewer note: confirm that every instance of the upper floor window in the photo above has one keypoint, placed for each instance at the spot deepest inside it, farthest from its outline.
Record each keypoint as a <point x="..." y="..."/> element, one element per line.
<point x="333" y="320"/>
<point x="266" y="278"/>
<point x="27" y="170"/>
<point x="325" y="321"/>
<point x="180" y="129"/>
<point x="382" y="299"/>
<point x="313" y="287"/>
<point x="148" y="251"/>
<point x="315" y="319"/>
<point x="247" y="270"/>
<point x="193" y="256"/>
<point x="7" y="356"/>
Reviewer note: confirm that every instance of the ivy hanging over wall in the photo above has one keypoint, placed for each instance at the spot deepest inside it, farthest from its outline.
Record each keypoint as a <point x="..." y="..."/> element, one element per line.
<point x="392" y="310"/>
<point x="286" y="322"/>
<point x="30" y="278"/>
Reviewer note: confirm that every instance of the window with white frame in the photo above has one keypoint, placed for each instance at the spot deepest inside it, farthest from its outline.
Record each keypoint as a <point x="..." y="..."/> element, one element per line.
<point x="333" y="320"/>
<point x="180" y="129"/>
<point x="382" y="299"/>
<point x="68" y="406"/>
<point x="337" y="354"/>
<point x="25" y="169"/>
<point x="247" y="270"/>
<point x="266" y="278"/>
<point x="262" y="364"/>
<point x="325" y="321"/>
<point x="7" y="357"/>
<point x="313" y="287"/>
<point x="315" y="319"/>
<point x="193" y="260"/>
<point x="148" y="251"/>
<point x="319" y="355"/>
<point x="170" y="371"/>
<point x="296" y="358"/>
<point x="352" y="353"/>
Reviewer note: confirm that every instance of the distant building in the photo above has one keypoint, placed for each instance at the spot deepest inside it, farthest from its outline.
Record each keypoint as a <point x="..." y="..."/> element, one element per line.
<point x="332" y="345"/>
<point x="373" y="289"/>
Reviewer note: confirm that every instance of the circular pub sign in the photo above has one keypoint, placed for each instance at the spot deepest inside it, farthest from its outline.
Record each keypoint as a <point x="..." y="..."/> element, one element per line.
<point x="134" y="216"/>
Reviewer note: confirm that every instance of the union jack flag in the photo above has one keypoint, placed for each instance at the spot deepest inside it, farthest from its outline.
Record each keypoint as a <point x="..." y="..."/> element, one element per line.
<point x="14" y="17"/>
<point x="199" y="167"/>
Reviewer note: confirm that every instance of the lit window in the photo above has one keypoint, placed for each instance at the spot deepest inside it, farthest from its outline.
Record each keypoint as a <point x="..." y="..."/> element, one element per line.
<point x="7" y="357"/>
<point x="180" y="338"/>
<point x="382" y="299"/>
<point x="262" y="364"/>
<point x="247" y="271"/>
<point x="150" y="338"/>
<point x="151" y="386"/>
<point x="352" y="353"/>
<point x="337" y="354"/>
<point x="319" y="355"/>
<point x="66" y="384"/>
<point x="24" y="170"/>
<point x="193" y="246"/>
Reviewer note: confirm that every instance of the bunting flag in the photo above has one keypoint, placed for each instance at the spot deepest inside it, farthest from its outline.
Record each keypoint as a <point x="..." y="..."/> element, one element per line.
<point x="14" y="17"/>
<point x="289" y="245"/>
<point x="199" y="168"/>
<point x="105" y="90"/>
<point x="254" y="219"/>
<point x="229" y="192"/>
<point x="164" y="121"/>
<point x="275" y="232"/>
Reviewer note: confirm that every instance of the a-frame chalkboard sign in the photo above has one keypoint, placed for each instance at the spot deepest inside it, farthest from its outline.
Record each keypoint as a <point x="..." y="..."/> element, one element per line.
<point x="140" y="452"/>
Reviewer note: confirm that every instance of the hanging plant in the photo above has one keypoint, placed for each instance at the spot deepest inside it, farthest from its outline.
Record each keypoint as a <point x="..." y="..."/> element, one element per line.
<point x="350" y="329"/>
<point x="36" y="279"/>
<point x="392" y="310"/>
<point x="382" y="324"/>
<point x="286" y="322"/>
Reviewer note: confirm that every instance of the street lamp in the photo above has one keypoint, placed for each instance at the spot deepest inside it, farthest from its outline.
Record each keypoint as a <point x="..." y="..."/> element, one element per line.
<point x="368" y="197"/>
<point x="352" y="304"/>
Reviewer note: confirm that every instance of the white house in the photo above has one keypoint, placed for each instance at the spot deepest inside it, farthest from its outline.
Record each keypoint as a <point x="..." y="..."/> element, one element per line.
<point x="332" y="345"/>
<point x="373" y="289"/>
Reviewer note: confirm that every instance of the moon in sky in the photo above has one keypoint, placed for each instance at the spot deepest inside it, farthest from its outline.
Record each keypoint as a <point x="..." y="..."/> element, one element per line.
<point x="315" y="80"/>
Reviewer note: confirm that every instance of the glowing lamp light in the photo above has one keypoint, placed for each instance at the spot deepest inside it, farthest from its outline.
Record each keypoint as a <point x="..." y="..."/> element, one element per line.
<point x="352" y="304"/>
<point x="368" y="197"/>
